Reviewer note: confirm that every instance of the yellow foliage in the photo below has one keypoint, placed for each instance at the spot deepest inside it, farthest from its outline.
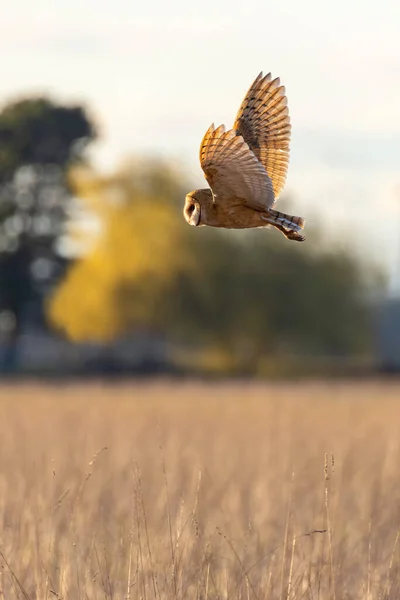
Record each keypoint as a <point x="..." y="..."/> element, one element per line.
<point x="140" y="249"/>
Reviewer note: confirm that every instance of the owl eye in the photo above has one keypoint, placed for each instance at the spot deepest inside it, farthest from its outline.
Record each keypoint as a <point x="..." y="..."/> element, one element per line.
<point x="191" y="208"/>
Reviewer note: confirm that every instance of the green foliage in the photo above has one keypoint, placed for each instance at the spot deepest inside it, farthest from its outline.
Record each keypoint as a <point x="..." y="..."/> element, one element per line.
<point x="264" y="295"/>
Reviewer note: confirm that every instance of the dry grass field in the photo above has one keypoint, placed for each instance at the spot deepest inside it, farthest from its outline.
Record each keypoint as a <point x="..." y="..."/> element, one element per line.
<point x="196" y="491"/>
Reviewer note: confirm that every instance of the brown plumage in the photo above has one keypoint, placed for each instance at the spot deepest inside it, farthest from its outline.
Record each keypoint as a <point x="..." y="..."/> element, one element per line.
<point x="246" y="166"/>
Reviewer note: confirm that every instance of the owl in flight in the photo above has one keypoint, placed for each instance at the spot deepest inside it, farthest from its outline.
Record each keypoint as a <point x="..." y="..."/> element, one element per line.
<point x="246" y="166"/>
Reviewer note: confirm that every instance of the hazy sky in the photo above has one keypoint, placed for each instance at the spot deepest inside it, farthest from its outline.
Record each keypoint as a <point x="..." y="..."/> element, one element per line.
<point x="155" y="74"/>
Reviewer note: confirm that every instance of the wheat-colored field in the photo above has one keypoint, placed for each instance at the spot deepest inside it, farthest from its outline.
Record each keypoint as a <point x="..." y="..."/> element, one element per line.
<point x="196" y="491"/>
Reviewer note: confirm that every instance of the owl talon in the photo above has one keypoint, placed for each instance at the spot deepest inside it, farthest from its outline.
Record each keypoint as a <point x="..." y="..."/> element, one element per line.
<point x="289" y="234"/>
<point x="295" y="236"/>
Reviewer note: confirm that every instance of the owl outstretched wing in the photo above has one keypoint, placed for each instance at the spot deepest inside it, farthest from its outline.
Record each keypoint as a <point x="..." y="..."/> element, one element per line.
<point x="264" y="123"/>
<point x="232" y="170"/>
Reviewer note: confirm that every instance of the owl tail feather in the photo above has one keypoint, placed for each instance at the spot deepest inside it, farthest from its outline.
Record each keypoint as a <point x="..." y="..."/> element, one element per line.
<point x="287" y="221"/>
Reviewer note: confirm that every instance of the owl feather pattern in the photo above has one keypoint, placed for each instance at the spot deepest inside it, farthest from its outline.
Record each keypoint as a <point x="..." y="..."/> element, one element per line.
<point x="246" y="166"/>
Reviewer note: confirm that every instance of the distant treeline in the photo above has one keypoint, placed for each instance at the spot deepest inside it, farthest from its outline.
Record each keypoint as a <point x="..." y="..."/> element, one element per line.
<point x="246" y="298"/>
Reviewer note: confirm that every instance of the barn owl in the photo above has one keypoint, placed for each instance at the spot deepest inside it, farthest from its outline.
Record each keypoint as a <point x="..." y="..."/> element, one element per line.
<point x="246" y="166"/>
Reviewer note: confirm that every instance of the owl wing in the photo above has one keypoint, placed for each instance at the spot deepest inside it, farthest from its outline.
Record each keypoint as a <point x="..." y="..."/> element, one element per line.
<point x="264" y="123"/>
<point x="232" y="170"/>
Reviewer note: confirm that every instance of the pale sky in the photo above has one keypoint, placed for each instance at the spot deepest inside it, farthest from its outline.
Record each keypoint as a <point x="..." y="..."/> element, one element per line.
<point x="155" y="74"/>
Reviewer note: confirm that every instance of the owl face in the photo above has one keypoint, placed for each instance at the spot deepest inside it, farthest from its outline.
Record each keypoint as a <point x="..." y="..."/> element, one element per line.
<point x="198" y="207"/>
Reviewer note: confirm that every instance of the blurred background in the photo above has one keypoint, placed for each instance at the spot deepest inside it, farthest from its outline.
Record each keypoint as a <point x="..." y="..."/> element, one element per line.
<point x="103" y="107"/>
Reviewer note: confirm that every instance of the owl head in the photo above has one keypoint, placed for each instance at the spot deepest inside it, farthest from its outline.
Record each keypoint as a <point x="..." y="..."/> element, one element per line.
<point x="198" y="207"/>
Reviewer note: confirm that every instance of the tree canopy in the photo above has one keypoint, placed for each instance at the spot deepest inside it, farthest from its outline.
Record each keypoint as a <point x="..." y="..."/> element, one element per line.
<point x="38" y="131"/>
<point x="249" y="293"/>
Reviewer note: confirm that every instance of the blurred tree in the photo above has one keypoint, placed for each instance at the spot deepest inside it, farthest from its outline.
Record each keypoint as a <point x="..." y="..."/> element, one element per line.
<point x="39" y="140"/>
<point x="125" y="277"/>
<point x="260" y="296"/>
<point x="248" y="294"/>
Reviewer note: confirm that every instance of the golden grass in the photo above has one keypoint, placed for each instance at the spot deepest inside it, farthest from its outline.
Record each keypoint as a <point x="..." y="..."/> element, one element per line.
<point x="204" y="491"/>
